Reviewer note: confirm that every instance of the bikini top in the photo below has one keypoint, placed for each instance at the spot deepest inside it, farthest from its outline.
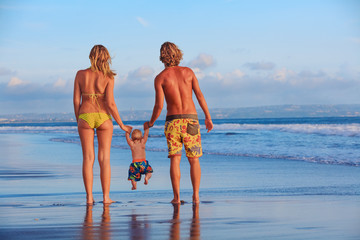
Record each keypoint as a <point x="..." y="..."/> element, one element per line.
<point x="94" y="97"/>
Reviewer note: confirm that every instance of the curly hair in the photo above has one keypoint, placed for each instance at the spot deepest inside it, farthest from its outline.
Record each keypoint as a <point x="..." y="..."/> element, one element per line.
<point x="100" y="60"/>
<point x="136" y="134"/>
<point x="170" y="54"/>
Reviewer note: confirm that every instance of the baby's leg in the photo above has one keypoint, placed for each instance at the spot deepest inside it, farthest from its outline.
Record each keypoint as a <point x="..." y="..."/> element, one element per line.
<point x="147" y="177"/>
<point x="133" y="182"/>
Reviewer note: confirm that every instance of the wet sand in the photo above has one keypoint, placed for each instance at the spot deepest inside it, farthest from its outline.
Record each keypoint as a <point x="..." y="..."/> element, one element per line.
<point x="152" y="217"/>
<point x="42" y="197"/>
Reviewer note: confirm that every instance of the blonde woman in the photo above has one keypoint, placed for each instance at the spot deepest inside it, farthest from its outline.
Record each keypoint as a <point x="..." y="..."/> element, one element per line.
<point x="94" y="105"/>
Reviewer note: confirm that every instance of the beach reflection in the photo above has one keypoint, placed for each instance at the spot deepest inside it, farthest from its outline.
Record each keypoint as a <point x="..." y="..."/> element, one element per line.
<point x="176" y="222"/>
<point x="97" y="231"/>
<point x="139" y="228"/>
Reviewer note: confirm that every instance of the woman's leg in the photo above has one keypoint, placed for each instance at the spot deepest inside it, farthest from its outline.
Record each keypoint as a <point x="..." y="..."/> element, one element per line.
<point x="104" y="135"/>
<point x="87" y="143"/>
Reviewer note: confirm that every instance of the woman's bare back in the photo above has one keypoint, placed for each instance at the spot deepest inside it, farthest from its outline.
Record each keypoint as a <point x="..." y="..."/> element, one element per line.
<point x="92" y="86"/>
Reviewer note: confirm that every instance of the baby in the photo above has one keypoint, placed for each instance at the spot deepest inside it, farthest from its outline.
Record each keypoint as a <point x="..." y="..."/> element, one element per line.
<point x="139" y="164"/>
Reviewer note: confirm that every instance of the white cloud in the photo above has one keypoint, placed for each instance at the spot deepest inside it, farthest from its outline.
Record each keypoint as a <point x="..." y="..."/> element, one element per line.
<point x="202" y="61"/>
<point x="198" y="73"/>
<point x="237" y="73"/>
<point x="14" y="81"/>
<point x="142" y="73"/>
<point x="142" y="21"/>
<point x="60" y="83"/>
<point x="283" y="75"/>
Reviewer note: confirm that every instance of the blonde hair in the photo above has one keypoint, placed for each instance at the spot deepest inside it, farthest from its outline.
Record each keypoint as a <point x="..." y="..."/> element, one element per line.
<point x="170" y="54"/>
<point x="136" y="134"/>
<point x="100" y="60"/>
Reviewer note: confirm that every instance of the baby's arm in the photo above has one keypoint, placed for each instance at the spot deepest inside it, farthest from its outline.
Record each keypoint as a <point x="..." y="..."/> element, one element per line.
<point x="128" y="139"/>
<point x="146" y="135"/>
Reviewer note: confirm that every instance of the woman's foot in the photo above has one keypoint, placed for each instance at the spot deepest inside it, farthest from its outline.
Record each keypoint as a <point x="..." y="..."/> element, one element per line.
<point x="90" y="200"/>
<point x="175" y="201"/>
<point x="147" y="177"/>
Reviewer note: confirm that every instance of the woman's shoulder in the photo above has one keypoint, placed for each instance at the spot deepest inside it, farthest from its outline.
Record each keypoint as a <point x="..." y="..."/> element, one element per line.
<point x="83" y="72"/>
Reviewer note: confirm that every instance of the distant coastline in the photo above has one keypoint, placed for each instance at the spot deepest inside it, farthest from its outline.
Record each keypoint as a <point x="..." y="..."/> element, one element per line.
<point x="276" y="111"/>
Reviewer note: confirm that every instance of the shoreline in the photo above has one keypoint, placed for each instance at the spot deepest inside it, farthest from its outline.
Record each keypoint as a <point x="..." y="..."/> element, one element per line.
<point x="150" y="216"/>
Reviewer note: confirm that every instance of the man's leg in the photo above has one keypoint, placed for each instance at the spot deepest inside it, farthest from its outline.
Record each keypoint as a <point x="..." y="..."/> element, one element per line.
<point x="195" y="173"/>
<point x="175" y="175"/>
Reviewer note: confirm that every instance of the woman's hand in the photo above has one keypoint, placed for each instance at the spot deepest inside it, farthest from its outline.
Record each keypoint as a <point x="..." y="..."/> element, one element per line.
<point x="126" y="128"/>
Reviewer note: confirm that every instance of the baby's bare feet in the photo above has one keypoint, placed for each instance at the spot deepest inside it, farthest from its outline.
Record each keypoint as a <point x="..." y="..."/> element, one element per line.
<point x="147" y="177"/>
<point x="133" y="183"/>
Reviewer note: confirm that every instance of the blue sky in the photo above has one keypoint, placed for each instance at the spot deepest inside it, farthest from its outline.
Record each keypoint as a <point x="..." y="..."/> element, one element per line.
<point x="244" y="53"/>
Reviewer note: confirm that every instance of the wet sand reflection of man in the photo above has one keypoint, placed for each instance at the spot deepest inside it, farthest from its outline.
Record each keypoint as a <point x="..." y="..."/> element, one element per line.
<point x="194" y="234"/>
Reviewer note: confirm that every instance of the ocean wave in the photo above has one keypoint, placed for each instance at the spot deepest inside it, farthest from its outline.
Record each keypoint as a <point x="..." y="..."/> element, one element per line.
<point x="38" y="129"/>
<point x="316" y="159"/>
<point x="348" y="130"/>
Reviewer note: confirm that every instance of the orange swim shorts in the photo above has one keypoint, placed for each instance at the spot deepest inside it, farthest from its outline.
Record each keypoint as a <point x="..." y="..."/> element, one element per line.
<point x="184" y="130"/>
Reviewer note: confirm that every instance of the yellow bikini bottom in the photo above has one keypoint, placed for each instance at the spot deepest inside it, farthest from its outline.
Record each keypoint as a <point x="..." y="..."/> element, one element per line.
<point x="95" y="119"/>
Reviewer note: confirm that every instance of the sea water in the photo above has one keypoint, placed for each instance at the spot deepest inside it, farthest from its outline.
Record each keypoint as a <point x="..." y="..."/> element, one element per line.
<point x="282" y="178"/>
<point x="330" y="140"/>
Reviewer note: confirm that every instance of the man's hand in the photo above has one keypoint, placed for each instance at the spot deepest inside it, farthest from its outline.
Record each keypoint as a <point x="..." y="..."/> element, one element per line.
<point x="209" y="125"/>
<point x="147" y="125"/>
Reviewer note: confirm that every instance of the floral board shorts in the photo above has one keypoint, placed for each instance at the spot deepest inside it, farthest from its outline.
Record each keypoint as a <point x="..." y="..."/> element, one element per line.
<point x="137" y="168"/>
<point x="182" y="130"/>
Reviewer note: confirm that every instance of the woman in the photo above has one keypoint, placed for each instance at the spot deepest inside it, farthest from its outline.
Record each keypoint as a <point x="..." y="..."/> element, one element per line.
<point x="94" y="105"/>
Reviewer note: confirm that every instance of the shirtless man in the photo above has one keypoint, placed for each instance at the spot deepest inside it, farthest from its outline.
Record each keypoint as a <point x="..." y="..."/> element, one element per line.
<point x="182" y="127"/>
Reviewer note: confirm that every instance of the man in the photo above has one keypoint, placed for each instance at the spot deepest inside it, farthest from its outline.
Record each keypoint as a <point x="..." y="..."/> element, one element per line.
<point x="182" y="127"/>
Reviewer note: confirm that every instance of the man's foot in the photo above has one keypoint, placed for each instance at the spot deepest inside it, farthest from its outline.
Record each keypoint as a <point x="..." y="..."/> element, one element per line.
<point x="147" y="177"/>
<point x="133" y="188"/>
<point x="108" y="201"/>
<point x="196" y="199"/>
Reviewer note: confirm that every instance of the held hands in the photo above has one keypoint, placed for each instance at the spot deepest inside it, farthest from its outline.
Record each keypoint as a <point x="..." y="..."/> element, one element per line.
<point x="209" y="124"/>
<point x="147" y="125"/>
<point x="126" y="128"/>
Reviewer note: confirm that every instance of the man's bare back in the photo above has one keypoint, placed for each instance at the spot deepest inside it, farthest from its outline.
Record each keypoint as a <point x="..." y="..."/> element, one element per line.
<point x="177" y="84"/>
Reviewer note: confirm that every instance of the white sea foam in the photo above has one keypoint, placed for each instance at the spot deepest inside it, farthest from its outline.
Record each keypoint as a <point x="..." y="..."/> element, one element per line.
<point x="348" y="130"/>
<point x="35" y="129"/>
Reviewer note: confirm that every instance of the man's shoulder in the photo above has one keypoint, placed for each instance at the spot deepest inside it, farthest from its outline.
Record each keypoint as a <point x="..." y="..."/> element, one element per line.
<point x="172" y="70"/>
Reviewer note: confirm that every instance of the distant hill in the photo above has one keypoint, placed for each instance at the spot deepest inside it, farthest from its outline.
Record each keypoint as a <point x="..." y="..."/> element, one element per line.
<point x="278" y="111"/>
<point x="291" y="111"/>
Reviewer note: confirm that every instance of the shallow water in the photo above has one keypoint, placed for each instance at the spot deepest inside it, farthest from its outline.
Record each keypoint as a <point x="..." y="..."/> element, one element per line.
<point x="251" y="197"/>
